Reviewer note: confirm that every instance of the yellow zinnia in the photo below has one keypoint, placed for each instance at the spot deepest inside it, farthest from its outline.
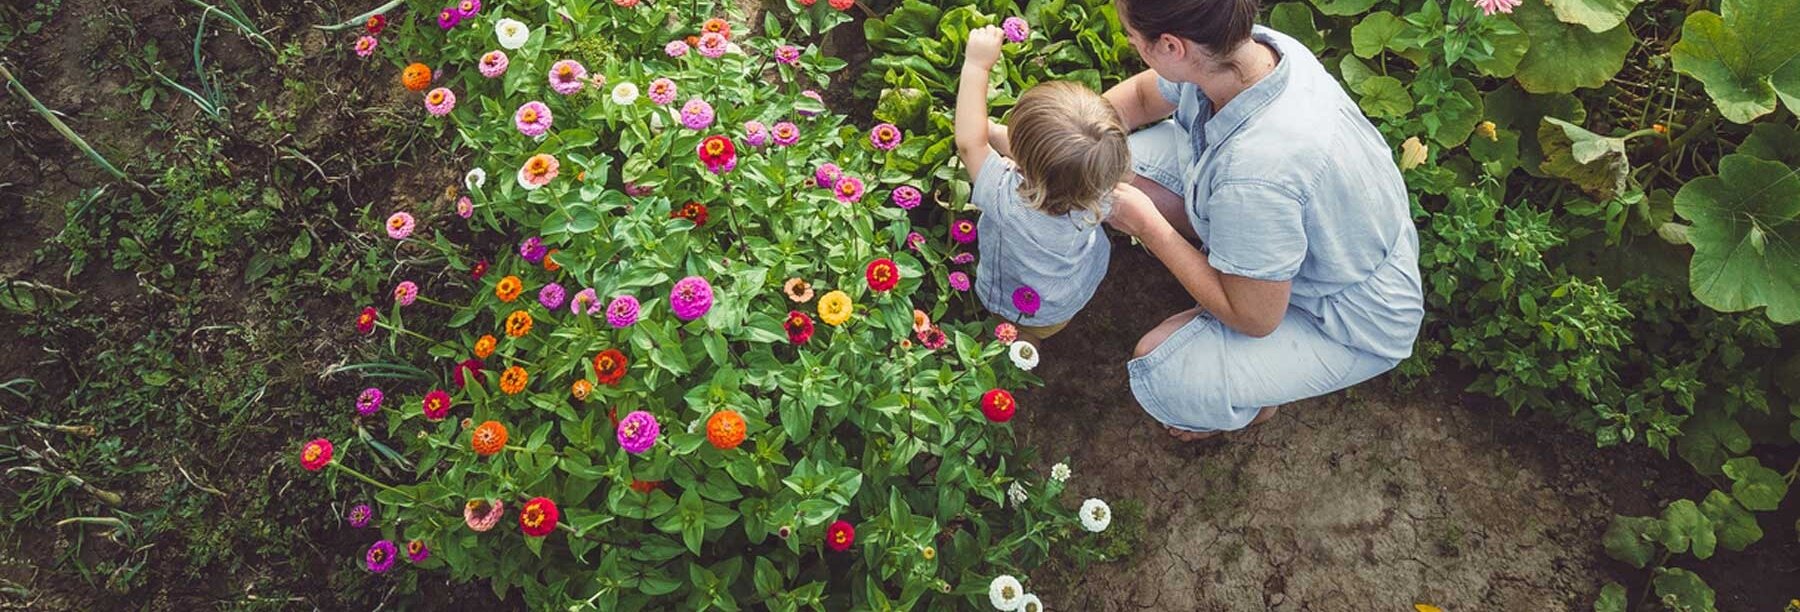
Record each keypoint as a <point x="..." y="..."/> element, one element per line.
<point x="834" y="308"/>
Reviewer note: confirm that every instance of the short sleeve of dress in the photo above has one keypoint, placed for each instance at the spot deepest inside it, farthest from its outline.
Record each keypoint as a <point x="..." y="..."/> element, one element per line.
<point x="996" y="185"/>
<point x="1170" y="90"/>
<point x="1258" y="230"/>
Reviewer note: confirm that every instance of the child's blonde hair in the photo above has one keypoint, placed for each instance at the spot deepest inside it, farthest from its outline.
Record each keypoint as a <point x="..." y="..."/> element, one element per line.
<point x="1070" y="146"/>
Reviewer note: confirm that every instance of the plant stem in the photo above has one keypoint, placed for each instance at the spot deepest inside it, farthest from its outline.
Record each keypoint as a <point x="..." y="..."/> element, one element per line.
<point x="248" y="31"/>
<point x="365" y="478"/>
<point x="67" y="133"/>
<point x="359" y="19"/>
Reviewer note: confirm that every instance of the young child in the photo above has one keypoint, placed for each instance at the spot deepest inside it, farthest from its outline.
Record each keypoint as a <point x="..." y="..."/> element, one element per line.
<point x="1042" y="248"/>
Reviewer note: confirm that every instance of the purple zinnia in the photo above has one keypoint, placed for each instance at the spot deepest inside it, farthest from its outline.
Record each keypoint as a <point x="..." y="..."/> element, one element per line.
<point x="827" y="175"/>
<point x="755" y="133"/>
<point x="532" y="119"/>
<point x="907" y="197"/>
<point x="962" y="231"/>
<point x="551" y="296"/>
<point x="1026" y="300"/>
<point x="567" y="76"/>
<point x="959" y="280"/>
<point x="676" y="48"/>
<point x="636" y="191"/>
<point x="417" y="552"/>
<point x="662" y="91"/>
<point x="915" y="240"/>
<point x="690" y="298"/>
<point x="816" y="97"/>
<point x="638" y="431"/>
<point x="468" y="8"/>
<point x="360" y="515"/>
<point x="447" y="18"/>
<point x="586" y="301"/>
<point x="493" y="64"/>
<point x="533" y="250"/>
<point x="696" y="114"/>
<point x="622" y="312"/>
<point x="962" y="258"/>
<point x="369" y="401"/>
<point x="380" y="557"/>
<point x="405" y="293"/>
<point x="1015" y="29"/>
<point x="787" y="54"/>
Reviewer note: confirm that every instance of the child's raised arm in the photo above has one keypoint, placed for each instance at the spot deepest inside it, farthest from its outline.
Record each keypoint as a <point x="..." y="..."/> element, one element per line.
<point x="971" y="98"/>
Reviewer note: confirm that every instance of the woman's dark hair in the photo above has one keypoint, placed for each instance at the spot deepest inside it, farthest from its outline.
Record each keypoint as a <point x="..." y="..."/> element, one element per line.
<point x="1218" y="25"/>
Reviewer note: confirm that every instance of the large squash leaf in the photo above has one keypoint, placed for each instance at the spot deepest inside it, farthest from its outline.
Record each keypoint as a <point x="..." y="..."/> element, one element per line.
<point x="1296" y="20"/>
<point x="1593" y="162"/>
<point x="1746" y="237"/>
<point x="1596" y="15"/>
<point x="1773" y="142"/>
<point x="1512" y="108"/>
<point x="1746" y="58"/>
<point x="1680" y="589"/>
<point x="1565" y="57"/>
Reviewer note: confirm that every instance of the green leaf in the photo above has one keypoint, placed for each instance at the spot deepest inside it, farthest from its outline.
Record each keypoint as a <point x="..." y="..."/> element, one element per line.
<point x="1735" y="526"/>
<point x="1682" y="590"/>
<point x="1595" y="163"/>
<point x="1746" y="58"/>
<point x="1384" y="96"/>
<point x="1612" y="598"/>
<point x="1455" y="115"/>
<point x="1296" y="20"/>
<point x="1565" y="57"/>
<point x="903" y="107"/>
<point x="1709" y="438"/>
<point x="1510" y="46"/>
<point x="1596" y="15"/>
<point x="1512" y="108"/>
<point x="1629" y="539"/>
<point x="1376" y="33"/>
<point x="1756" y="487"/>
<point x="1727" y="272"/>
<point x="1773" y="142"/>
<point x="1338" y="8"/>
<point x="1684" y="527"/>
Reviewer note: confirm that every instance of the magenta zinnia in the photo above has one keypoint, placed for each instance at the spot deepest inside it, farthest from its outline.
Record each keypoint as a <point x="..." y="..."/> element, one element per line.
<point x="380" y="557"/>
<point x="959" y="280"/>
<point x="638" y="432"/>
<point x="369" y="401"/>
<point x="690" y="298"/>
<point x="1015" y="29"/>
<point x="827" y="175"/>
<point x="907" y="197"/>
<point x="360" y="515"/>
<point x="1026" y="300"/>
<point x="885" y="137"/>
<point x="622" y="312"/>
<point x="551" y="296"/>
<point x="962" y="231"/>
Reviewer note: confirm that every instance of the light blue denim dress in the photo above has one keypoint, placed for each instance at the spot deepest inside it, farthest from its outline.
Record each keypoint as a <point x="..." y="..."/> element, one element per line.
<point x="1288" y="182"/>
<point x="1062" y="257"/>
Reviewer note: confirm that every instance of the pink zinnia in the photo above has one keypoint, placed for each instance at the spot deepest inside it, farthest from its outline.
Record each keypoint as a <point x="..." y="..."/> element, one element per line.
<point x="623" y="312"/>
<point x="399" y="225"/>
<point x="538" y="171"/>
<point x="586" y="301"/>
<point x="914" y="240"/>
<point x="1006" y="333"/>
<point x="696" y="114"/>
<point x="848" y="189"/>
<point x="786" y="134"/>
<point x="440" y="101"/>
<point x="827" y="175"/>
<point x="676" y="48"/>
<point x="567" y="76"/>
<point x="482" y="514"/>
<point x="662" y="91"/>
<point x="959" y="280"/>
<point x="962" y="258"/>
<point x="1489" y="7"/>
<point x="1015" y="29"/>
<point x="713" y="45"/>
<point x="405" y="293"/>
<point x="690" y="298"/>
<point x="365" y="46"/>
<point x="493" y="64"/>
<point x="638" y="432"/>
<point x="532" y="119"/>
<point x="787" y="54"/>
<point x="885" y="137"/>
<point x="755" y="133"/>
<point x="465" y="207"/>
<point x="933" y="338"/>
<point x="907" y="197"/>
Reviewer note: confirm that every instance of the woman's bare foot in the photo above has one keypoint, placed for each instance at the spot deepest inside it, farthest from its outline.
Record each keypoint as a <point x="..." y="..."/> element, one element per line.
<point x="1196" y="436"/>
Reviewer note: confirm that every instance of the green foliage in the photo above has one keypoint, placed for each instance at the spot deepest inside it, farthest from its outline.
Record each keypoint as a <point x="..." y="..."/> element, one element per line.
<point x="1565" y="57"/>
<point x="1747" y="56"/>
<point x="1746" y="236"/>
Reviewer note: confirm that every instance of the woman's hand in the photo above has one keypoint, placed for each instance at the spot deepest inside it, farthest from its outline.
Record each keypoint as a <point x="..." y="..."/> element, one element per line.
<point x="1134" y="213"/>
<point x="984" y="48"/>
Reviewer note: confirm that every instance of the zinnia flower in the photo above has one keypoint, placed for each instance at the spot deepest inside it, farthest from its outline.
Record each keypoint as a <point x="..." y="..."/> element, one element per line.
<point x="380" y="557"/>
<point x="375" y="24"/>
<point x="914" y="240"/>
<point x="662" y="91"/>
<point x="842" y="5"/>
<point x="827" y="175"/>
<point x="1024" y="355"/>
<point x="567" y="76"/>
<point x="468" y="8"/>
<point x="360" y="515"/>
<point x="882" y="275"/>
<point x="786" y="134"/>
<point x="624" y="93"/>
<point x="610" y="365"/>
<point x="799" y="327"/>
<point x="885" y="136"/>
<point x="998" y="406"/>
<point x="512" y="33"/>
<point x="440" y="102"/>
<point x="1015" y="29"/>
<point x="532" y="119"/>
<point x="1060" y="472"/>
<point x="676" y="48"/>
<point x="835" y="308"/>
<point x="907" y="197"/>
<point x="717" y="26"/>
<point x="365" y="46"/>
<point x="692" y="211"/>
<point x="365" y="322"/>
<point x="315" y="454"/>
<point x="512" y="381"/>
<point x="518" y="324"/>
<point x="713" y="45"/>
<point x="482" y="514"/>
<point x="622" y="312"/>
<point x="488" y="439"/>
<point x="369" y="401"/>
<point x="551" y="296"/>
<point x="416" y="552"/>
<point x="416" y="76"/>
<point x="586" y="301"/>
<point x="962" y="258"/>
<point x="696" y="114"/>
<point x="690" y="298"/>
<point x="1489" y="7"/>
<point x="1016" y="494"/>
<point x="787" y="54"/>
<point x="480" y="269"/>
<point x="849" y="189"/>
<point x="756" y="134"/>
<point x="1005" y="593"/>
<point x="436" y="405"/>
<point x="484" y="346"/>
<point x="493" y="64"/>
<point x="798" y="290"/>
<point x="475" y="179"/>
<point x="1006" y="333"/>
<point x="537" y="171"/>
<point x="921" y="321"/>
<point x="962" y="231"/>
<point x="580" y="389"/>
<point x="638" y="432"/>
<point x="448" y="18"/>
<point x="508" y="288"/>
<point x="725" y="429"/>
<point x="538" y="517"/>
<point x="841" y="534"/>
<point x="933" y="338"/>
<point x="400" y="225"/>
<point x="717" y="153"/>
<point x="625" y="3"/>
<point x="1095" y="515"/>
<point x="1026" y="300"/>
<point x="959" y="280"/>
<point x="465" y="207"/>
<point x="814" y="96"/>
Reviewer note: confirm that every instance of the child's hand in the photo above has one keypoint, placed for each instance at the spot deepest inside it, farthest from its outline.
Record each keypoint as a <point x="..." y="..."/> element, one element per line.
<point x="984" y="47"/>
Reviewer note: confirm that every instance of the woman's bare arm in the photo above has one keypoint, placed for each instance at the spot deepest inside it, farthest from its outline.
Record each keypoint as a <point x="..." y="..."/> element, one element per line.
<point x="1249" y="306"/>
<point x="1138" y="102"/>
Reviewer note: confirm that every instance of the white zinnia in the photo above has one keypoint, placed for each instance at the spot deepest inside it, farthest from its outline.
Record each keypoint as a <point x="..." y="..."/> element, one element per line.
<point x="1030" y="603"/>
<point x="1060" y="472"/>
<point x="1095" y="515"/>
<point x="1017" y="493"/>
<point x="512" y="33"/>
<point x="1006" y="593"/>
<point x="1024" y="355"/>
<point x="624" y="93"/>
<point x="475" y="179"/>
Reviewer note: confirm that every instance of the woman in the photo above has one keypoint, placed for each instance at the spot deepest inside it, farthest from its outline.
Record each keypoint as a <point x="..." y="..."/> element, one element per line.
<point x="1308" y="280"/>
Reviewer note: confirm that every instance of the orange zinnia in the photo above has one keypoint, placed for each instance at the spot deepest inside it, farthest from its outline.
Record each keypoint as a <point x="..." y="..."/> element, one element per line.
<point x="550" y="264"/>
<point x="725" y="430"/>
<point x="489" y="438"/>
<point x="513" y="380"/>
<point x="485" y="346"/>
<point x="581" y="389"/>
<point x="416" y="77"/>
<point x="718" y="26"/>
<point x="518" y="323"/>
<point x="508" y="288"/>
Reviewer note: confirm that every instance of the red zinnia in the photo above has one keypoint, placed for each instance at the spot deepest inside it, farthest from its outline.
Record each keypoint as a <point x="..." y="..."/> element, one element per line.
<point x="376" y="23"/>
<point x="842" y="5"/>
<point x="645" y="486"/>
<point x="609" y="366"/>
<point x="315" y="454"/>
<point x="799" y="327"/>
<point x="840" y="536"/>
<point x="365" y="322"/>
<point x="538" y="518"/>
<point x="436" y="405"/>
<point x="718" y="153"/>
<point x="693" y="211"/>
<point x="480" y="269"/>
<point x="474" y="368"/>
<point x="997" y="405"/>
<point x="883" y="275"/>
